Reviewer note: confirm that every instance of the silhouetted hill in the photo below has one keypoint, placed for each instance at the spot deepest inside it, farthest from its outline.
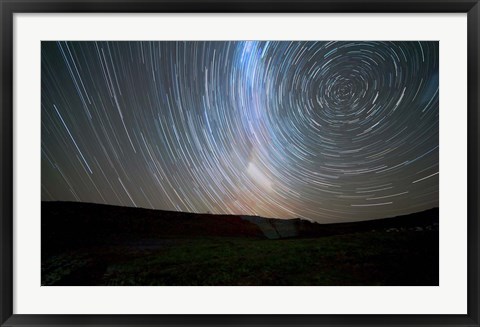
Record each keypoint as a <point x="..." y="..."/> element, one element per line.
<point x="86" y="223"/>
<point x="286" y="228"/>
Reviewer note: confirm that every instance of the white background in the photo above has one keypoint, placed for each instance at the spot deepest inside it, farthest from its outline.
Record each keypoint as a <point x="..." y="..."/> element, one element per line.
<point x="448" y="298"/>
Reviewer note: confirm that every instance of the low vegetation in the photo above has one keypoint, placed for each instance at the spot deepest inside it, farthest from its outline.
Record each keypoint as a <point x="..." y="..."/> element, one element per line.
<point x="370" y="258"/>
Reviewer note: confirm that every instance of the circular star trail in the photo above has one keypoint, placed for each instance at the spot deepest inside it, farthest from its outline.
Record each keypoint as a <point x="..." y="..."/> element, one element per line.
<point x="327" y="131"/>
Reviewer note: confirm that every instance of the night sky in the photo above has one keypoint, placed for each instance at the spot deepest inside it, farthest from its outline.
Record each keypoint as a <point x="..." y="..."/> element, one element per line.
<point x="328" y="131"/>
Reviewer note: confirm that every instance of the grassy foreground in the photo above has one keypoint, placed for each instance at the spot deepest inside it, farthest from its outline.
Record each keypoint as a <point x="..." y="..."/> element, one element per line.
<point x="366" y="258"/>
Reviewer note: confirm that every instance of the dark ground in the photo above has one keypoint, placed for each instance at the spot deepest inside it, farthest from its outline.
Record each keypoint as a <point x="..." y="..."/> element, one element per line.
<point x="89" y="244"/>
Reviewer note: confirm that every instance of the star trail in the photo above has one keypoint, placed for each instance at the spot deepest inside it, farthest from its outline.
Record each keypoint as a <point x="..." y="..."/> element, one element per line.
<point x="326" y="131"/>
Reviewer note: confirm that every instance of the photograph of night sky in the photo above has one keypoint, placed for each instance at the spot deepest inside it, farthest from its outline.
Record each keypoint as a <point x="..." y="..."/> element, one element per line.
<point x="246" y="163"/>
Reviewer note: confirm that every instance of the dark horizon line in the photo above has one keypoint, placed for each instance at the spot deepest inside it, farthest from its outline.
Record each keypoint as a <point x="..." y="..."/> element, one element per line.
<point x="214" y="214"/>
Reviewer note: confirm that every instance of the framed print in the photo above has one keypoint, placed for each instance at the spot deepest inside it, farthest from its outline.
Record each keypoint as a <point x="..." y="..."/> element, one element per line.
<point x="239" y="163"/>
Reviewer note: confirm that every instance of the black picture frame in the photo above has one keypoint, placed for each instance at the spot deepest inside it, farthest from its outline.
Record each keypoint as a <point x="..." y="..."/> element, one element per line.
<point x="9" y="8"/>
